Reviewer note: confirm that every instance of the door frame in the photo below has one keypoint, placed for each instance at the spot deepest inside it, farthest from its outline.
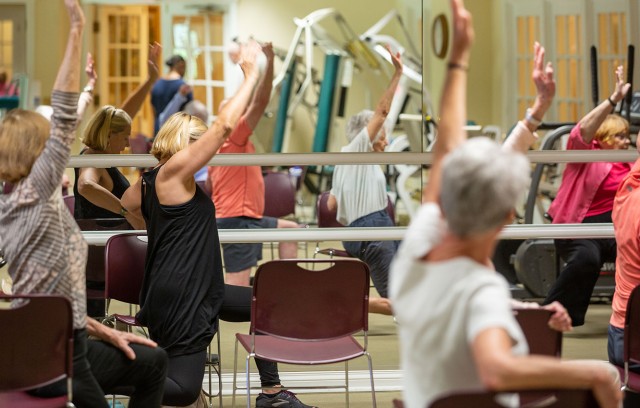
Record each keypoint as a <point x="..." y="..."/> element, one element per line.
<point x="29" y="31"/>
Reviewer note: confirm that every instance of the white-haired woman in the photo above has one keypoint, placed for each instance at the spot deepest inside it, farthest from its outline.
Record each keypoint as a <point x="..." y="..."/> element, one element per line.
<point x="359" y="192"/>
<point x="456" y="327"/>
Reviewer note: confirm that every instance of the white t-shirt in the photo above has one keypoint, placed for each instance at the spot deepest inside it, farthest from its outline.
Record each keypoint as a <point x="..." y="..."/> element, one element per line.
<point x="359" y="189"/>
<point x="441" y="307"/>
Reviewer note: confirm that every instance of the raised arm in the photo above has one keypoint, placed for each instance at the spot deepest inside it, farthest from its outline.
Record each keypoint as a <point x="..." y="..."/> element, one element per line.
<point x="453" y="103"/>
<point x="522" y="136"/>
<point x="184" y="164"/>
<point x="136" y="99"/>
<point x="68" y="77"/>
<point x="48" y="167"/>
<point x="382" y="109"/>
<point x="86" y="97"/>
<point x="592" y="121"/>
<point x="262" y="94"/>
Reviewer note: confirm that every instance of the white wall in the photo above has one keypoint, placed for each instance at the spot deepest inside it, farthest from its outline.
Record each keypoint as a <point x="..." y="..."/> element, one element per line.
<point x="276" y="24"/>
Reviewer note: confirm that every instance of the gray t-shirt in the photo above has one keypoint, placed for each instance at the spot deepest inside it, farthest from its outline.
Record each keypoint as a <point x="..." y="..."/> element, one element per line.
<point x="441" y="307"/>
<point x="359" y="189"/>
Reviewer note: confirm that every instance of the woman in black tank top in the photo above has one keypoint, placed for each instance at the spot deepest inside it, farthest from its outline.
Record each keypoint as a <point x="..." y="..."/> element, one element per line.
<point x="98" y="190"/>
<point x="183" y="287"/>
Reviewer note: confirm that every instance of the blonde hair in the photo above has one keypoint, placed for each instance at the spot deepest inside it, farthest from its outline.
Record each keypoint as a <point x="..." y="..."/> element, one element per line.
<point x="176" y="133"/>
<point x="612" y="126"/>
<point x="105" y="121"/>
<point x="22" y="138"/>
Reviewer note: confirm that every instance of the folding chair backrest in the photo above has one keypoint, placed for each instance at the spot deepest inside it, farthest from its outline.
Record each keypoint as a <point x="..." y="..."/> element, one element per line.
<point x="279" y="194"/>
<point x="542" y="339"/>
<point x="36" y="341"/>
<point x="326" y="217"/>
<point x="124" y="259"/>
<point x="328" y="300"/>
<point x="555" y="399"/>
<point x="632" y="328"/>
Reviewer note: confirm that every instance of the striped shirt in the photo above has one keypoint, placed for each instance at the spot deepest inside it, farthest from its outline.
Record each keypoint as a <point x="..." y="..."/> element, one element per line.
<point x="42" y="242"/>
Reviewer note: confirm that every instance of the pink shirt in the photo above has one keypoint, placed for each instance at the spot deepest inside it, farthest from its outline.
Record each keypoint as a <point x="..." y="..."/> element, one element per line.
<point x="580" y="183"/>
<point x="626" y="222"/>
<point x="238" y="190"/>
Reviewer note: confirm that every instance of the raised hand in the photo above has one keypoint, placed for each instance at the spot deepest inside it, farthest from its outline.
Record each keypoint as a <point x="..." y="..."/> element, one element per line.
<point x="75" y="13"/>
<point x="267" y="49"/>
<point x="154" y="55"/>
<point x="622" y="87"/>
<point x="396" y="59"/>
<point x="248" y="54"/>
<point x="463" y="33"/>
<point x="90" y="69"/>
<point x="543" y="76"/>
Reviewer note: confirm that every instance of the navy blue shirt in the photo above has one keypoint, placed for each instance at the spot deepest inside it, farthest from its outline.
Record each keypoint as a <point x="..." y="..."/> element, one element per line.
<point x="161" y="94"/>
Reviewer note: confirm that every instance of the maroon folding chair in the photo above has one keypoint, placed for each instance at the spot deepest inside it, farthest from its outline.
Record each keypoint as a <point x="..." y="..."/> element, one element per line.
<point x="327" y="219"/>
<point x="542" y="339"/>
<point x="306" y="312"/>
<point x="279" y="194"/>
<point x="631" y="379"/>
<point x="571" y="398"/>
<point x="37" y="342"/>
<point x="124" y="257"/>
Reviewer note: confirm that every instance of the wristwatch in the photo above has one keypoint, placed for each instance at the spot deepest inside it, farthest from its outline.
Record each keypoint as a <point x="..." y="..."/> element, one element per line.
<point x="88" y="88"/>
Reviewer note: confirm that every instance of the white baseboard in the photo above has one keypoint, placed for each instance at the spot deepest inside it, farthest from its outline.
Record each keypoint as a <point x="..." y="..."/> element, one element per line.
<point x="384" y="380"/>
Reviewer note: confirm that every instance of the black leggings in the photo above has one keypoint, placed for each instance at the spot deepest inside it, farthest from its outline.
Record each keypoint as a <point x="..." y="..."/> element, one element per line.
<point x="236" y="307"/>
<point x="184" y="379"/>
<point x="184" y="376"/>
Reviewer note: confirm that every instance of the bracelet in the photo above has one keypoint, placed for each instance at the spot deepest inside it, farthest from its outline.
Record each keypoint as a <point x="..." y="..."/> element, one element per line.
<point x="123" y="211"/>
<point x="455" y="65"/>
<point x="529" y="118"/>
<point x="88" y="88"/>
<point x="613" y="104"/>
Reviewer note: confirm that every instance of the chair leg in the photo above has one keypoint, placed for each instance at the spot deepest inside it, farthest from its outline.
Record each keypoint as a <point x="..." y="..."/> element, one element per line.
<point x="220" y="367"/>
<point x="346" y="383"/>
<point x="209" y="369"/>
<point x="248" y="380"/>
<point x="373" y="390"/>
<point x="235" y="371"/>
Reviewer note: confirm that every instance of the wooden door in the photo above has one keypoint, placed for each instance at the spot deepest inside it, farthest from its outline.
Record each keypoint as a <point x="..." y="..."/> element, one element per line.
<point x="123" y="44"/>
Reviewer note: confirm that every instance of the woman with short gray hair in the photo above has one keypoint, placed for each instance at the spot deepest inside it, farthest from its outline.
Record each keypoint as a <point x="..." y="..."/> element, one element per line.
<point x="359" y="192"/>
<point x="456" y="326"/>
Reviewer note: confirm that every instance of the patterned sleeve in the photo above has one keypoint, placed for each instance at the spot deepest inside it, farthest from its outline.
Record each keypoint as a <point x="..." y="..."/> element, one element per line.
<point x="48" y="168"/>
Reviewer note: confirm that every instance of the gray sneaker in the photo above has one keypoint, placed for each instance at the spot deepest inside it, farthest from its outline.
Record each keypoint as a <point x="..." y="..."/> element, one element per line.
<point x="283" y="399"/>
